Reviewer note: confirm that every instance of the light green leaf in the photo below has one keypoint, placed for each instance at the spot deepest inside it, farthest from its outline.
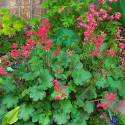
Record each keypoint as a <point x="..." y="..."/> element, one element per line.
<point x="11" y="117"/>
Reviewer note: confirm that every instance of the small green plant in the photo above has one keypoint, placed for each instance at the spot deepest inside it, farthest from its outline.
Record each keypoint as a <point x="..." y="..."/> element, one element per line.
<point x="9" y="24"/>
<point x="11" y="30"/>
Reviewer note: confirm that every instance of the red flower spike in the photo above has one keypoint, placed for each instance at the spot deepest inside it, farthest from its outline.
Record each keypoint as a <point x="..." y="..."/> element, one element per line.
<point x="96" y="53"/>
<point x="3" y="72"/>
<point x="57" y="98"/>
<point x="26" y="54"/>
<point x="111" y="53"/>
<point x="110" y="97"/>
<point x="121" y="46"/>
<point x="63" y="88"/>
<point x="15" y="54"/>
<point x="101" y="105"/>
<point x="14" y="45"/>
<point x="63" y="95"/>
<point x="28" y="34"/>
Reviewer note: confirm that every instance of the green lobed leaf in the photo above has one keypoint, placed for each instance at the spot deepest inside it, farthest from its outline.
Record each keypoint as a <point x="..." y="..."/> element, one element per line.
<point x="89" y="107"/>
<point x="81" y="76"/>
<point x="26" y="112"/>
<point x="10" y="101"/>
<point x="36" y="93"/>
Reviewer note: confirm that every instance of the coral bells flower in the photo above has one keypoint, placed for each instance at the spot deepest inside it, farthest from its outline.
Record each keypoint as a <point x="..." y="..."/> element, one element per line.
<point x="14" y="45"/>
<point x="111" y="53"/>
<point x="83" y="25"/>
<point x="3" y="72"/>
<point x="57" y="51"/>
<point x="122" y="46"/>
<point x="15" y="54"/>
<point x="96" y="53"/>
<point x="28" y="34"/>
<point x="63" y="95"/>
<point x="117" y="16"/>
<point x="57" y="98"/>
<point x="102" y="105"/>
<point x="113" y="1"/>
<point x="26" y="54"/>
<point x="110" y="97"/>
<point x="60" y="90"/>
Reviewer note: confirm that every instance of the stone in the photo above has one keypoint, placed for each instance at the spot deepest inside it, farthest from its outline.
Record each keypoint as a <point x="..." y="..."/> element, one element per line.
<point x="12" y="3"/>
<point x="24" y="2"/>
<point x="24" y="12"/>
<point x="37" y="2"/>
<point x="36" y="10"/>
<point x="14" y="11"/>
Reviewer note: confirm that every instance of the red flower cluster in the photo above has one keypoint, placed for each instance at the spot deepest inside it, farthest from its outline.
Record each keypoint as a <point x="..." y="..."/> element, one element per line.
<point x="25" y="50"/>
<point x="110" y="97"/>
<point x="93" y="16"/>
<point x="111" y="53"/>
<point x="42" y="35"/>
<point x="121" y="46"/>
<point x="59" y="90"/>
<point x="3" y="72"/>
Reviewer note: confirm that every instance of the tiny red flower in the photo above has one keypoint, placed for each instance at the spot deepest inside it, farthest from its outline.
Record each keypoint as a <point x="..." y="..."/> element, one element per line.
<point x="15" y="54"/>
<point x="14" y="45"/>
<point x="111" y="53"/>
<point x="121" y="45"/>
<point x="63" y="88"/>
<point x="26" y="54"/>
<point x="28" y="34"/>
<point x="63" y="95"/>
<point x="3" y="72"/>
<point x="96" y="53"/>
<point x="102" y="105"/>
<point x="110" y="97"/>
<point x="57" y="98"/>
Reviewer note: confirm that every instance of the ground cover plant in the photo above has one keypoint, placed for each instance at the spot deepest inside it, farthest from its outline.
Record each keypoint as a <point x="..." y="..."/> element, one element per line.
<point x="65" y="76"/>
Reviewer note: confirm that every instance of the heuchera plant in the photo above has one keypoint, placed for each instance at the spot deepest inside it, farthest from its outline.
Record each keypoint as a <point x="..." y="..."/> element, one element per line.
<point x="64" y="80"/>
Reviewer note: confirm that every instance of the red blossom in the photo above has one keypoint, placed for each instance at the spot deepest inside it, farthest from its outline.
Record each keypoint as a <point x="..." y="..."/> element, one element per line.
<point x="102" y="105"/>
<point x="26" y="54"/>
<point x="57" y="51"/>
<point x="96" y="53"/>
<point x="59" y="89"/>
<point x="111" y="53"/>
<point x="110" y="97"/>
<point x="15" y="54"/>
<point x="14" y="45"/>
<point x="3" y="72"/>
<point x="121" y="46"/>
<point x="63" y="95"/>
<point x="57" y="98"/>
<point x="28" y="34"/>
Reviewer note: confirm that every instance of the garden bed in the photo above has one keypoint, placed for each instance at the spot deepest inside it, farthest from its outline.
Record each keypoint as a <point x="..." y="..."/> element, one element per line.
<point x="64" y="69"/>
